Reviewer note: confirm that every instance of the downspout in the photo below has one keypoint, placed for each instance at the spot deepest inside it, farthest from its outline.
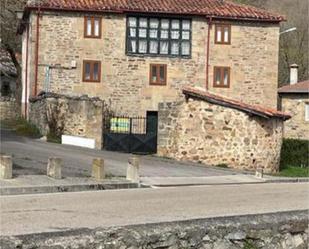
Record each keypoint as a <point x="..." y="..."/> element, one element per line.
<point x="207" y="55"/>
<point x="26" y="72"/>
<point x="37" y="51"/>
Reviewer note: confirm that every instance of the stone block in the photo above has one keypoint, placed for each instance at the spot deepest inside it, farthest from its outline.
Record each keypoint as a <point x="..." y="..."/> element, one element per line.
<point x="6" y="165"/>
<point x="54" y="167"/>
<point x="98" y="171"/>
<point x="133" y="169"/>
<point x="259" y="172"/>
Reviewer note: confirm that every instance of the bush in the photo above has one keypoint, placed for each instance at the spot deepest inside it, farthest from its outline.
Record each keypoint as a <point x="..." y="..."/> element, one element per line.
<point x="25" y="128"/>
<point x="294" y="153"/>
<point x="53" y="138"/>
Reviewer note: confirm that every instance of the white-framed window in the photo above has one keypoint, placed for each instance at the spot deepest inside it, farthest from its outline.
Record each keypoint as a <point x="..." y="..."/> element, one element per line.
<point x="159" y="36"/>
<point x="306" y="111"/>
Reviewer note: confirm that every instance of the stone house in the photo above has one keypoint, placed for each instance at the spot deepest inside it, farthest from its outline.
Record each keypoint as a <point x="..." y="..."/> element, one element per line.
<point x="215" y="130"/>
<point x="294" y="99"/>
<point x="137" y="54"/>
<point x="140" y="55"/>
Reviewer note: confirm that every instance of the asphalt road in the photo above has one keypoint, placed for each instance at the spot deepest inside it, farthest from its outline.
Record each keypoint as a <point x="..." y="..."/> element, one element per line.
<point x="66" y="211"/>
<point x="30" y="157"/>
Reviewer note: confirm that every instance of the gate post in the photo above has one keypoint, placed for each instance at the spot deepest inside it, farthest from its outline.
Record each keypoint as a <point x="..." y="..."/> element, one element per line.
<point x="133" y="169"/>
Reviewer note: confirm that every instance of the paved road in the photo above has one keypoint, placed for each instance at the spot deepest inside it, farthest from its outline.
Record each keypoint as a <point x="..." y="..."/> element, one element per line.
<point x="65" y="211"/>
<point x="30" y="157"/>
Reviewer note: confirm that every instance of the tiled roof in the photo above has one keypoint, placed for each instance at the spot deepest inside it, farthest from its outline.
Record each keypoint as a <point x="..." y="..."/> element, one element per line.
<point x="214" y="8"/>
<point x="223" y="101"/>
<point x="300" y="87"/>
<point x="6" y="64"/>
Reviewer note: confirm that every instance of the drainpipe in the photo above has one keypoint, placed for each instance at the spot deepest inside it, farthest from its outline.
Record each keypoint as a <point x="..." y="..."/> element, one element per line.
<point x="207" y="51"/>
<point x="37" y="51"/>
<point x="26" y="72"/>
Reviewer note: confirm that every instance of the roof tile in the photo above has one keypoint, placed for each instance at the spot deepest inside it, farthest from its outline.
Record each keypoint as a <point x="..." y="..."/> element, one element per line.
<point x="214" y="8"/>
<point x="300" y="87"/>
<point x="220" y="100"/>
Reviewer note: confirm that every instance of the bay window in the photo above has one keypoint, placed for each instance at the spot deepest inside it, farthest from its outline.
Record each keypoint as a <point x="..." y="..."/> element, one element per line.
<point x="158" y="36"/>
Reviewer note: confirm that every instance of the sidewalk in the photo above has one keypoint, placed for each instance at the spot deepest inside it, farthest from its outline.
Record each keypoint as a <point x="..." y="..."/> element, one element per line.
<point x="34" y="184"/>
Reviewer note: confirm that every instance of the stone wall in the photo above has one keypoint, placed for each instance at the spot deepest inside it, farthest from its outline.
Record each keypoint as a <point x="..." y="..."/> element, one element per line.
<point x="252" y="57"/>
<point x="8" y="108"/>
<point x="294" y="104"/>
<point x="76" y="116"/>
<point x="265" y="231"/>
<point x="198" y="131"/>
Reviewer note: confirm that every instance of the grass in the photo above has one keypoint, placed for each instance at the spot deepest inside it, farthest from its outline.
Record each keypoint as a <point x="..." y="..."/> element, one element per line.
<point x="22" y="127"/>
<point x="290" y="171"/>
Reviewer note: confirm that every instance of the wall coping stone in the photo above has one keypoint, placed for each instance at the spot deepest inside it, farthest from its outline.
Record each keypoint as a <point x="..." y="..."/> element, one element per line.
<point x="44" y="95"/>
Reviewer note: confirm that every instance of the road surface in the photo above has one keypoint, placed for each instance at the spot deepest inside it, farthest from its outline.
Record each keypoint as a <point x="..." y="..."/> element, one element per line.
<point x="30" y="157"/>
<point x="66" y="211"/>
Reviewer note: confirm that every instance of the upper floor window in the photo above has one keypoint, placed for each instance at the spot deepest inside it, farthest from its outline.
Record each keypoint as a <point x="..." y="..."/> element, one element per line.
<point x="158" y="74"/>
<point x="92" y="27"/>
<point x="159" y="36"/>
<point x="222" y="77"/>
<point x="223" y="34"/>
<point x="91" y="71"/>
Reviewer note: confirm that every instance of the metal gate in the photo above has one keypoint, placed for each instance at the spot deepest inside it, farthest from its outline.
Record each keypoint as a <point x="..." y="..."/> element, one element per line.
<point x="131" y="134"/>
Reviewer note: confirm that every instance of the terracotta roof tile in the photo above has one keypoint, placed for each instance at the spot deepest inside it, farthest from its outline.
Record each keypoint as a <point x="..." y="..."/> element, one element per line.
<point x="300" y="87"/>
<point x="223" y="101"/>
<point x="214" y="8"/>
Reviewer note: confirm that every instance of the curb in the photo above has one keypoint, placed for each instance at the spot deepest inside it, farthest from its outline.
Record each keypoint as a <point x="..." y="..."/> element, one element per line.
<point x="66" y="188"/>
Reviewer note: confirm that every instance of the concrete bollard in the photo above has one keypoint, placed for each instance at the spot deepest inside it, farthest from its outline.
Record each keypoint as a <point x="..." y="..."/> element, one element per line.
<point x="259" y="172"/>
<point x="6" y="167"/>
<point x="133" y="169"/>
<point x="98" y="171"/>
<point x="54" y="167"/>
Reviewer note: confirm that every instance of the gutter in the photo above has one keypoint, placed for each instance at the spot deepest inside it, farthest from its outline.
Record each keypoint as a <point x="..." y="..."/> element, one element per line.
<point x="207" y="55"/>
<point x="37" y="51"/>
<point x="26" y="72"/>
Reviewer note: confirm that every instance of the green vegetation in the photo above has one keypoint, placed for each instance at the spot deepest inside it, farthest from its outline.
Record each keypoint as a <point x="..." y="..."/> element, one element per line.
<point x="294" y="172"/>
<point x="25" y="128"/>
<point x="294" y="152"/>
<point x="222" y="165"/>
<point x="22" y="127"/>
<point x="53" y="138"/>
<point x="294" y="158"/>
<point x="249" y="245"/>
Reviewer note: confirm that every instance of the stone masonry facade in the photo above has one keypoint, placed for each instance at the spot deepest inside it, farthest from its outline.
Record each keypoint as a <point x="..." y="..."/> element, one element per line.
<point x="297" y="127"/>
<point x="9" y="109"/>
<point x="211" y="134"/>
<point x="252" y="57"/>
<point x="76" y="116"/>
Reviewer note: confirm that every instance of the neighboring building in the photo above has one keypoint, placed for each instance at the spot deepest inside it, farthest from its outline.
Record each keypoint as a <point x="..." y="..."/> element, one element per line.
<point x="8" y="74"/>
<point x="137" y="54"/>
<point x="294" y="99"/>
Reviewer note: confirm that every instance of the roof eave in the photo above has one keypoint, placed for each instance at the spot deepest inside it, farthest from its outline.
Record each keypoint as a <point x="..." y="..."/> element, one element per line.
<point x="249" y="111"/>
<point x="120" y="11"/>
